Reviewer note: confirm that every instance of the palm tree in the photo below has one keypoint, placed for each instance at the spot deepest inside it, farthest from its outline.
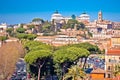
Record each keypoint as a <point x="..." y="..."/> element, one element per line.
<point x="76" y="73"/>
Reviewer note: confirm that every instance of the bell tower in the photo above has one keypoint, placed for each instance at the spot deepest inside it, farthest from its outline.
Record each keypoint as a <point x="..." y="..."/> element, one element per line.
<point x="100" y="16"/>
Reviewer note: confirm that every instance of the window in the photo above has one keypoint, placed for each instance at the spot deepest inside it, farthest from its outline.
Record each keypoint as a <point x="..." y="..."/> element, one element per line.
<point x="109" y="75"/>
<point x="109" y="60"/>
<point x="109" y="68"/>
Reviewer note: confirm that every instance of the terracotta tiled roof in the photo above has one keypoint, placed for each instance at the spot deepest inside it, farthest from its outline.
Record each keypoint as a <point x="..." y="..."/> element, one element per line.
<point x="98" y="70"/>
<point x="113" y="52"/>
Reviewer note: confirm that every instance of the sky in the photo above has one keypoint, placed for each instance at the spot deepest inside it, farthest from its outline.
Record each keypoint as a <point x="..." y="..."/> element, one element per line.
<point x="23" y="11"/>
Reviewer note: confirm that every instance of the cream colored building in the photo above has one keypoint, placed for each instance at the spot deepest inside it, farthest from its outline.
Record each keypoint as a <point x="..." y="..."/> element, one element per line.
<point x="60" y="40"/>
<point x="84" y="17"/>
<point x="116" y="25"/>
<point x="101" y="36"/>
<point x="112" y="58"/>
<point x="115" y="41"/>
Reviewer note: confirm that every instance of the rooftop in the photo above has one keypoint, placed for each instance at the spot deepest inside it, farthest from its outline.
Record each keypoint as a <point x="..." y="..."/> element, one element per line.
<point x="113" y="52"/>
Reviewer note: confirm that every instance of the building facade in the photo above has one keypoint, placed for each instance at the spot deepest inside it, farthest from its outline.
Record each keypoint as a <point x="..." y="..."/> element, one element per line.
<point x="112" y="58"/>
<point x="84" y="18"/>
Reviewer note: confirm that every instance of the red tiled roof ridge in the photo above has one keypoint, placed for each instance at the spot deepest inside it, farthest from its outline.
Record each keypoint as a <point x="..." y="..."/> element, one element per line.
<point x="113" y="51"/>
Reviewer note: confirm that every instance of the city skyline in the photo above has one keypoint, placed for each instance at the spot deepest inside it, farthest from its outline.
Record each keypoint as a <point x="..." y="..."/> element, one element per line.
<point x="13" y="12"/>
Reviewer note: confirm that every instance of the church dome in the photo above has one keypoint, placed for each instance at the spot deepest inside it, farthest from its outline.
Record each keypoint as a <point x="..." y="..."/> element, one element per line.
<point x="84" y="15"/>
<point x="56" y="16"/>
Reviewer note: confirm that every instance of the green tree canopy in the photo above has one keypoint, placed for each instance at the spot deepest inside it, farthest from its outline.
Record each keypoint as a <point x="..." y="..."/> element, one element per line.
<point x="32" y="44"/>
<point x="46" y="27"/>
<point x="37" y="20"/>
<point x="71" y="23"/>
<point x="3" y="38"/>
<point x="88" y="46"/>
<point x="9" y="30"/>
<point x="38" y="58"/>
<point x="20" y="30"/>
<point x="26" y="36"/>
<point x="32" y="56"/>
<point x="35" y="45"/>
<point x="37" y="55"/>
<point x="65" y="26"/>
<point x="69" y="54"/>
<point x="21" y="36"/>
<point x="31" y="36"/>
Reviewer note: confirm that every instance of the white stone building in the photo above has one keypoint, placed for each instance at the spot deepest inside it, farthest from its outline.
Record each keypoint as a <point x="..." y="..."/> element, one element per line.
<point x="84" y="17"/>
<point x="3" y="26"/>
<point x="57" y="17"/>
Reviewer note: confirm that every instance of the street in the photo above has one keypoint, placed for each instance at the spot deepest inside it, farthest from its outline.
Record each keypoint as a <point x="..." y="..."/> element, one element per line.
<point x="20" y="72"/>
